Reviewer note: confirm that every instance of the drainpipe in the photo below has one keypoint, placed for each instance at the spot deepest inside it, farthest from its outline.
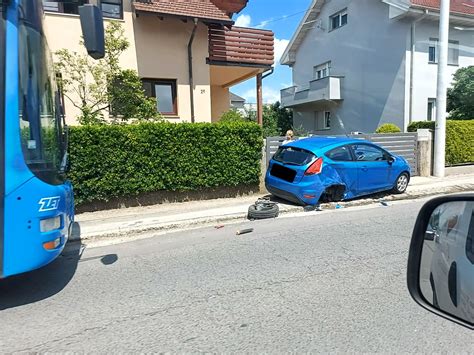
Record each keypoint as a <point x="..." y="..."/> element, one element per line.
<point x="412" y="60"/>
<point x="260" y="78"/>
<point x="270" y="72"/>
<point x="190" y="65"/>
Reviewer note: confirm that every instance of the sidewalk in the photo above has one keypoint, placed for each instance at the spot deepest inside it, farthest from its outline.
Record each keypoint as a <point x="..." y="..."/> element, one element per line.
<point x="166" y="217"/>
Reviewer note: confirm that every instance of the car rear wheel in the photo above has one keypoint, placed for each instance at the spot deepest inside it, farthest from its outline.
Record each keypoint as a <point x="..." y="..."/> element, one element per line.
<point x="263" y="210"/>
<point x="401" y="184"/>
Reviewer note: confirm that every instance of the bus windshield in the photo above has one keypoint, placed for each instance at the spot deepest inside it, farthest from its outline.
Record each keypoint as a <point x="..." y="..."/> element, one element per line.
<point x="41" y="126"/>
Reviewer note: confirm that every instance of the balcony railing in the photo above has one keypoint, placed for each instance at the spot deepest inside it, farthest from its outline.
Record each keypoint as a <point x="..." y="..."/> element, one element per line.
<point x="241" y="45"/>
<point x="324" y="89"/>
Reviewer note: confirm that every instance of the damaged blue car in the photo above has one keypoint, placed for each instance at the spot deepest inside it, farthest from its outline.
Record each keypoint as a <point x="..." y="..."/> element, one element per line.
<point x="327" y="169"/>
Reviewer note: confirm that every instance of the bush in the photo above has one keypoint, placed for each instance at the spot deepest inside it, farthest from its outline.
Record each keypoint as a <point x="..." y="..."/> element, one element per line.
<point x="388" y="128"/>
<point x="414" y="126"/>
<point x="459" y="138"/>
<point x="111" y="161"/>
<point x="232" y="116"/>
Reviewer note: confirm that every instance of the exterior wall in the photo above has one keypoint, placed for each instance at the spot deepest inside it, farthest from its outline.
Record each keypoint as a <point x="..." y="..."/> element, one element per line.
<point x="425" y="73"/>
<point x="163" y="54"/>
<point x="64" y="31"/>
<point x="220" y="101"/>
<point x="371" y="61"/>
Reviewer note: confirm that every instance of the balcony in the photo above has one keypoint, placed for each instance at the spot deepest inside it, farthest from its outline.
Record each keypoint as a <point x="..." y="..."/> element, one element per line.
<point x="241" y="46"/>
<point x="320" y="90"/>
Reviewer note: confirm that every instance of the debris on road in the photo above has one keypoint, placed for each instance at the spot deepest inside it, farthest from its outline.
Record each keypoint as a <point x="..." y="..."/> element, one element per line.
<point x="338" y="207"/>
<point x="384" y="203"/>
<point x="263" y="209"/>
<point x="244" y="231"/>
<point x="219" y="227"/>
<point x="311" y="208"/>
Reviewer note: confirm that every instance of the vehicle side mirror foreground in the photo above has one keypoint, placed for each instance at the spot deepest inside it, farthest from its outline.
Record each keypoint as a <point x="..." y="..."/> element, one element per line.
<point x="92" y="25"/>
<point x="441" y="259"/>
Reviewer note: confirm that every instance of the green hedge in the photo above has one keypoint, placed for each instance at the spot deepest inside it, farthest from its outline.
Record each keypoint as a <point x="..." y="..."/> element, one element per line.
<point x="388" y="128"/>
<point x="459" y="139"/>
<point x="111" y="161"/>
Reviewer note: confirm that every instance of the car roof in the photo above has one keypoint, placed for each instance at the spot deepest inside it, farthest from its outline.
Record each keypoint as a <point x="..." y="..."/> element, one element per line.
<point x="317" y="143"/>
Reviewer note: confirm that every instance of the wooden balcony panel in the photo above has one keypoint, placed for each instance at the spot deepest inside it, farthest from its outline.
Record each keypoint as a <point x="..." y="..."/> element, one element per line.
<point x="241" y="45"/>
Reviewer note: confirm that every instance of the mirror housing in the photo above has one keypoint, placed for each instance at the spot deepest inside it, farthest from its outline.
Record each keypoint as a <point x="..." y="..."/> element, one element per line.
<point x="92" y="25"/>
<point x="390" y="159"/>
<point x="451" y="288"/>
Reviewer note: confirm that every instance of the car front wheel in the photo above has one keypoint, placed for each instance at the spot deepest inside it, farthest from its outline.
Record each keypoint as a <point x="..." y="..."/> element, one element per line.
<point x="401" y="184"/>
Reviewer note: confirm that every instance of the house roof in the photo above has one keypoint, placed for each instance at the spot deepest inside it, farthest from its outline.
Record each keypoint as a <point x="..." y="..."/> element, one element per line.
<point x="236" y="98"/>
<point x="465" y="7"/>
<point x="201" y="9"/>
<point x="309" y="21"/>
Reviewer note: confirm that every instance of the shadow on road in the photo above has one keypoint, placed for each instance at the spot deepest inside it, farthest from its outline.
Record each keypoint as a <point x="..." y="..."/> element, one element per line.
<point x="48" y="281"/>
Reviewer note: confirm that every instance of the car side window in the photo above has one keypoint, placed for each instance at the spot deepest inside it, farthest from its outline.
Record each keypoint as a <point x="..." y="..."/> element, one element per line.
<point x="364" y="152"/>
<point x="340" y="154"/>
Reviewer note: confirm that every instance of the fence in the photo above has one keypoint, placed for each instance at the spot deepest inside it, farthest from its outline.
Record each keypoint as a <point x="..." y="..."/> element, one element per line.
<point x="402" y="144"/>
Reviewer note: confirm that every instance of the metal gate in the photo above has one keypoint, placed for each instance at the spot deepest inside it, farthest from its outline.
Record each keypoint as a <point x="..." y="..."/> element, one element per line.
<point x="402" y="144"/>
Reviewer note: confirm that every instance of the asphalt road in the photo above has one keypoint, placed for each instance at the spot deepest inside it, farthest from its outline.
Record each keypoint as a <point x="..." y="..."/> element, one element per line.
<point x="330" y="281"/>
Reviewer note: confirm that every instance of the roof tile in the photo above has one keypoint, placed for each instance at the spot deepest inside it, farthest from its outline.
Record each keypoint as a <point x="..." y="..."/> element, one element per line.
<point x="457" y="6"/>
<point x="203" y="9"/>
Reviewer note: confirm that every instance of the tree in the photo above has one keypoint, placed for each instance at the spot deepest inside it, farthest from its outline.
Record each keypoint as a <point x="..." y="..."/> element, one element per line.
<point x="233" y="115"/>
<point x="276" y="120"/>
<point x="461" y="95"/>
<point x="101" y="86"/>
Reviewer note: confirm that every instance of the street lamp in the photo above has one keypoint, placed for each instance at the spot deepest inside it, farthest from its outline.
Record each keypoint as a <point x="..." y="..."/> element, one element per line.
<point x="441" y="91"/>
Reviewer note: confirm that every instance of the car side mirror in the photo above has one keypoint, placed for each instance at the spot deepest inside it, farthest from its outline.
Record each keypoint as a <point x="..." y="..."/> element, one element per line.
<point x="92" y="25"/>
<point x="390" y="159"/>
<point x="441" y="259"/>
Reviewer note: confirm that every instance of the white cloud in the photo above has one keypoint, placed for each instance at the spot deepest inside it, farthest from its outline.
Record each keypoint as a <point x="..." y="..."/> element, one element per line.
<point x="263" y="24"/>
<point x="270" y="96"/>
<point x="243" y="21"/>
<point x="280" y="46"/>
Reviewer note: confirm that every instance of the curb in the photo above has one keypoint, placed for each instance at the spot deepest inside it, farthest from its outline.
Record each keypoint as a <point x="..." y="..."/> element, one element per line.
<point x="209" y="221"/>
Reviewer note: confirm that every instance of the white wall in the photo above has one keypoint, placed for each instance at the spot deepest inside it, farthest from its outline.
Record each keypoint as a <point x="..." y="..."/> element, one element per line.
<point x="370" y="53"/>
<point x="424" y="74"/>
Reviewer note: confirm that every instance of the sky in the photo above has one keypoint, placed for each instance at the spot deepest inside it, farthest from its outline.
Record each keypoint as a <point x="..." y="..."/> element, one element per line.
<point x="282" y="17"/>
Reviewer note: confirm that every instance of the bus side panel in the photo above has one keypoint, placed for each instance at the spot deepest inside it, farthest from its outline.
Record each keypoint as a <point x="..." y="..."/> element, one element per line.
<point x="16" y="170"/>
<point x="32" y="203"/>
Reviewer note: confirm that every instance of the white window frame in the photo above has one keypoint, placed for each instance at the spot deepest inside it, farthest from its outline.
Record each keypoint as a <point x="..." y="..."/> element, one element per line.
<point x="322" y="71"/>
<point x="431" y="111"/>
<point x="433" y="46"/>
<point x="327" y="120"/>
<point x="322" y="120"/>
<point x="339" y="15"/>
<point x="453" y="47"/>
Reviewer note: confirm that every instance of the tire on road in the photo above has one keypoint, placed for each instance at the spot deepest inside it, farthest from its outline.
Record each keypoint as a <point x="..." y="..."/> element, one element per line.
<point x="401" y="183"/>
<point x="263" y="211"/>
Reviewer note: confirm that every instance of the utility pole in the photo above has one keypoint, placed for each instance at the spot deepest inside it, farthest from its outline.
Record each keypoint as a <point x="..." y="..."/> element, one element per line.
<point x="441" y="92"/>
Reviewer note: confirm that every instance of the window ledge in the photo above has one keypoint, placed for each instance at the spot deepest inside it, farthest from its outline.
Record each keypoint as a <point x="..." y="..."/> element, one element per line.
<point x="171" y="117"/>
<point x="62" y="14"/>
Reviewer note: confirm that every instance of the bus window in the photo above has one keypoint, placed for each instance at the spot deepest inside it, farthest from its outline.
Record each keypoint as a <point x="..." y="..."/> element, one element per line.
<point x="41" y="129"/>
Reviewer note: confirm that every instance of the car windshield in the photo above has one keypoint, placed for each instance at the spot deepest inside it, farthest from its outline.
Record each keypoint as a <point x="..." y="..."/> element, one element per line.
<point x="293" y="156"/>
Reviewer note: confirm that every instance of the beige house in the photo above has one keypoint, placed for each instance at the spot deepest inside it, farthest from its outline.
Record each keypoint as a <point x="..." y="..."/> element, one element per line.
<point x="187" y="52"/>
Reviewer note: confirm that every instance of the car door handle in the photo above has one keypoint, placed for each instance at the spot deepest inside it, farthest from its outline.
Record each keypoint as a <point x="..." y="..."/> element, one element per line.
<point x="364" y="168"/>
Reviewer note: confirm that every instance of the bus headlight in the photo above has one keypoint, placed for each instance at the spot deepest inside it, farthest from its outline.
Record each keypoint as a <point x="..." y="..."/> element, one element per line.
<point x="50" y="224"/>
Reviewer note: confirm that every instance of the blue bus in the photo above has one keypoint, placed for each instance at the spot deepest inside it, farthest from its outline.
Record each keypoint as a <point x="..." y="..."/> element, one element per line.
<point x="36" y="202"/>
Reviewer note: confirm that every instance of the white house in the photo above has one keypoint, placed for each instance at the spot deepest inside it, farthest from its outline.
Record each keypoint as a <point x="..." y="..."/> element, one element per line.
<point x="360" y="63"/>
